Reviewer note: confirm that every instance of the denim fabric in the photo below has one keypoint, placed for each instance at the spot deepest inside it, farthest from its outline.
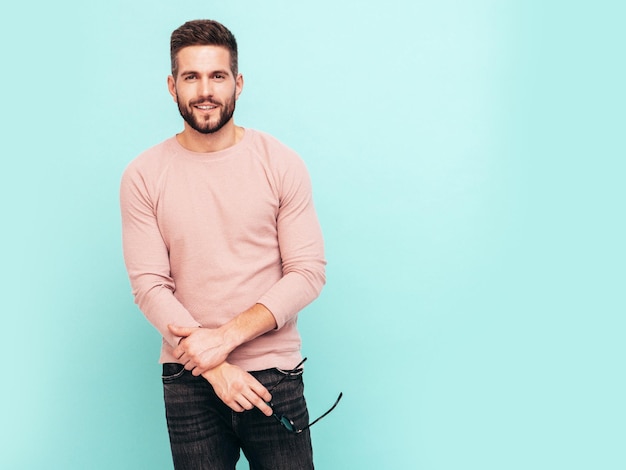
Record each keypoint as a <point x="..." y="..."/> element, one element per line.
<point x="207" y="434"/>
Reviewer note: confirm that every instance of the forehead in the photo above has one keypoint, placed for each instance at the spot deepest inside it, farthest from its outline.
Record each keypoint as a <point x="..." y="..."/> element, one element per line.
<point x="199" y="58"/>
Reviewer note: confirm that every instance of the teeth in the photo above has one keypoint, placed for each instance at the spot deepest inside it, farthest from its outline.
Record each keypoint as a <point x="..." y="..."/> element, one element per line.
<point x="205" y="107"/>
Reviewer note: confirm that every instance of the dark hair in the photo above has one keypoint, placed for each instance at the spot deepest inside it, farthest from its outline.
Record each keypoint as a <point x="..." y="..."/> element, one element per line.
<point x="203" y="33"/>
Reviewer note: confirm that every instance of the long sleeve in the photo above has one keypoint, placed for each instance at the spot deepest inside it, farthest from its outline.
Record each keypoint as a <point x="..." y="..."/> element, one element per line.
<point x="301" y="248"/>
<point x="147" y="259"/>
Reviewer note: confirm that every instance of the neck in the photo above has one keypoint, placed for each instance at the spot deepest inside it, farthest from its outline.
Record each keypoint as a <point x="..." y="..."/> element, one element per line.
<point x="195" y="141"/>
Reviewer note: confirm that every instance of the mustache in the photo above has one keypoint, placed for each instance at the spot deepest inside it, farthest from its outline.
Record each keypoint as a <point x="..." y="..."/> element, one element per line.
<point x="204" y="101"/>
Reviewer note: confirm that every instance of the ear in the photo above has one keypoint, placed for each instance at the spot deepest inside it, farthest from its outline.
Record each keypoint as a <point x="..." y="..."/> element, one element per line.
<point x="171" y="87"/>
<point x="238" y="85"/>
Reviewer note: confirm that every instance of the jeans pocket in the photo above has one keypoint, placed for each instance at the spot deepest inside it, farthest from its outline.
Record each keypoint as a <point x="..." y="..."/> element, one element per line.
<point x="172" y="371"/>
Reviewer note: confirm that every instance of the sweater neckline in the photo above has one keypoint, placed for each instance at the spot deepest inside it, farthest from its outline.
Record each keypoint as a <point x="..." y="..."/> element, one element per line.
<point x="212" y="156"/>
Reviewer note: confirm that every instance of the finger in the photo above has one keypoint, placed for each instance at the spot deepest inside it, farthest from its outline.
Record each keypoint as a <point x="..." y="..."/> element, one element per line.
<point x="239" y="403"/>
<point x="245" y="403"/>
<point x="184" y="359"/>
<point x="181" y="354"/>
<point x="181" y="330"/>
<point x="183" y="351"/>
<point x="260" y="398"/>
<point x="197" y="370"/>
<point x="179" y="350"/>
<point x="262" y="405"/>
<point x="189" y="363"/>
<point x="235" y="406"/>
<point x="262" y="392"/>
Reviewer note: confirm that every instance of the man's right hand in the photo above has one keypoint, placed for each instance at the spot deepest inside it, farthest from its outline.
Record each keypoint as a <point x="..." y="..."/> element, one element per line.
<point x="238" y="389"/>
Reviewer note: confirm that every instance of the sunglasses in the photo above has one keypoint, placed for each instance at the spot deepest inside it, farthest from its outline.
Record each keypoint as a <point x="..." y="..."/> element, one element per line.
<point x="287" y="423"/>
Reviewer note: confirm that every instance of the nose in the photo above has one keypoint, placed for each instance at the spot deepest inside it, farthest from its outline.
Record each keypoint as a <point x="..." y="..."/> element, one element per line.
<point x="206" y="87"/>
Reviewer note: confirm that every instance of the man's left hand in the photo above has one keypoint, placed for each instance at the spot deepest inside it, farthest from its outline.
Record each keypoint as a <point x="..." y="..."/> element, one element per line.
<point x="200" y="349"/>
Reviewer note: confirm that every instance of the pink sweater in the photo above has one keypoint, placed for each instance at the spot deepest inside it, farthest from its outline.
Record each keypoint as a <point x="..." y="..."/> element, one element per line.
<point x="208" y="235"/>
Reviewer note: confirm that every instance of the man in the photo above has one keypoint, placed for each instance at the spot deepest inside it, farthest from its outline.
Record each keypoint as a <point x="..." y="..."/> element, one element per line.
<point x="223" y="249"/>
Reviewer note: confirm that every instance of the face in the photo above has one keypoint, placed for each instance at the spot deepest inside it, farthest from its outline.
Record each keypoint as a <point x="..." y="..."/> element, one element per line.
<point x="205" y="88"/>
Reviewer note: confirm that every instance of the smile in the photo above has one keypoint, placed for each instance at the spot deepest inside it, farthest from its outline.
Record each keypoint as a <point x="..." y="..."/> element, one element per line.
<point x="205" y="107"/>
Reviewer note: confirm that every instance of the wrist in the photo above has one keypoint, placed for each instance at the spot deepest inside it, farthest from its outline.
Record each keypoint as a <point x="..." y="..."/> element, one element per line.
<point x="218" y="370"/>
<point x="231" y="336"/>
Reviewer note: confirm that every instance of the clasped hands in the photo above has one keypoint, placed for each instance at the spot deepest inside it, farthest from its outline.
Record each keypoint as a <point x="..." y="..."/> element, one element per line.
<point x="203" y="351"/>
<point x="200" y="349"/>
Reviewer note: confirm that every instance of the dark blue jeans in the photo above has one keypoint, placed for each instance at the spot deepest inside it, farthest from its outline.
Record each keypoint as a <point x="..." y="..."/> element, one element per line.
<point x="207" y="434"/>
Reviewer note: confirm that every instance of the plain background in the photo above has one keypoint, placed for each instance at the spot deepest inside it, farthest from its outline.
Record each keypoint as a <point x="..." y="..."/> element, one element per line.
<point x="468" y="166"/>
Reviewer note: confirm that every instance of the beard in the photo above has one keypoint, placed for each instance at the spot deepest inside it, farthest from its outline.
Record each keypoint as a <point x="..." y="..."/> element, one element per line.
<point x="206" y="126"/>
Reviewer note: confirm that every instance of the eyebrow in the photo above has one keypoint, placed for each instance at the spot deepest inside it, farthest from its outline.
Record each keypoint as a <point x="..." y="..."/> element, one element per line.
<point x="194" y="72"/>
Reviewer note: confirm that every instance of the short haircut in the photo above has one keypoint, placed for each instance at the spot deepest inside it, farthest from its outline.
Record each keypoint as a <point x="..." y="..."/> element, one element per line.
<point x="203" y="33"/>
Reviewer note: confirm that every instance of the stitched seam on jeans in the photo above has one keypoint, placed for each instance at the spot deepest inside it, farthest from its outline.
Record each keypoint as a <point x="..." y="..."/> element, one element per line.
<point x="173" y="376"/>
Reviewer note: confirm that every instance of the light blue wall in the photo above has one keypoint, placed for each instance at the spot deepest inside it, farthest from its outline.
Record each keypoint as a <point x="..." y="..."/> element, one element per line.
<point x="468" y="165"/>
